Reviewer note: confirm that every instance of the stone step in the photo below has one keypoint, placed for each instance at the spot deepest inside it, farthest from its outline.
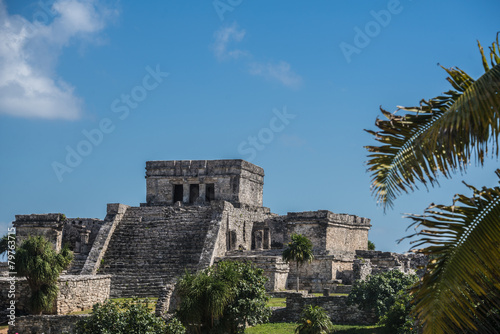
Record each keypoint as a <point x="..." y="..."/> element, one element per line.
<point x="152" y="246"/>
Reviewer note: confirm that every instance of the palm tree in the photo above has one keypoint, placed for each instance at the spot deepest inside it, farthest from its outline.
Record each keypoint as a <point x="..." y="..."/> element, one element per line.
<point x="314" y="320"/>
<point x="298" y="250"/>
<point x="41" y="265"/>
<point x="438" y="137"/>
<point x="205" y="295"/>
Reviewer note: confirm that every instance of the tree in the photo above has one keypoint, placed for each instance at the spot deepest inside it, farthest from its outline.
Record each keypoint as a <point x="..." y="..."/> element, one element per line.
<point x="371" y="245"/>
<point x="4" y="244"/>
<point x="398" y="317"/>
<point x="443" y="135"/>
<point x="41" y="265"/>
<point x="114" y="317"/>
<point x="378" y="292"/>
<point x="298" y="250"/>
<point x="314" y="320"/>
<point x="223" y="298"/>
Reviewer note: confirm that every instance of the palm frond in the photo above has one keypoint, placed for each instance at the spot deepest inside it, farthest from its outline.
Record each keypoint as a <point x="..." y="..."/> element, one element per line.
<point x="439" y="136"/>
<point x="463" y="242"/>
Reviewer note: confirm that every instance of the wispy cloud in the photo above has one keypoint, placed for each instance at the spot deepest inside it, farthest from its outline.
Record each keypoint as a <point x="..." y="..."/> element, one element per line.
<point x="280" y="72"/>
<point x="293" y="141"/>
<point x="29" y="52"/>
<point x="223" y="37"/>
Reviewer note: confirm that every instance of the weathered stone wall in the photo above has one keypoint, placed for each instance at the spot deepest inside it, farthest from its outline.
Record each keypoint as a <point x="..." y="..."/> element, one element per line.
<point x="76" y="293"/>
<point x="72" y="233"/>
<point x="13" y="285"/>
<point x="347" y="232"/>
<point x="46" y="324"/>
<point x="325" y="271"/>
<point x="277" y="227"/>
<point x="335" y="306"/>
<point x="328" y="231"/>
<point x="235" y="181"/>
<point x="384" y="261"/>
<point x="239" y="223"/>
<point x="48" y="225"/>
<point x="311" y="224"/>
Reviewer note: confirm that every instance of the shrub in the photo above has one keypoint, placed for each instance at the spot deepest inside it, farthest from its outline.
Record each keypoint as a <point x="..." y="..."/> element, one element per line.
<point x="378" y="292"/>
<point x="174" y="326"/>
<point x="398" y="319"/>
<point x="371" y="245"/>
<point x="223" y="298"/>
<point x="113" y="317"/>
<point x="314" y="320"/>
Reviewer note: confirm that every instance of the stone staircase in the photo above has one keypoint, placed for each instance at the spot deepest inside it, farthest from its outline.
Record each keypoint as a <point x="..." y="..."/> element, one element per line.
<point x="77" y="264"/>
<point x="152" y="246"/>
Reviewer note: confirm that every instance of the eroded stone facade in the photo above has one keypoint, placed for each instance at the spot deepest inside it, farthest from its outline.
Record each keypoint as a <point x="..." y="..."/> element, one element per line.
<point x="198" y="212"/>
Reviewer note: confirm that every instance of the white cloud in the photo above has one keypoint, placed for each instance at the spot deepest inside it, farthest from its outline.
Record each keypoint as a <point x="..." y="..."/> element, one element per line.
<point x="223" y="37"/>
<point x="280" y="72"/>
<point x="29" y="51"/>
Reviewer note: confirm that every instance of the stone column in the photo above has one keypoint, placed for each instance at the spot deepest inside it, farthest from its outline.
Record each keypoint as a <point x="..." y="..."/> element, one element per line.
<point x="267" y="239"/>
<point x="84" y="237"/>
<point x="185" y="197"/>
<point x="361" y="268"/>
<point x="203" y="192"/>
<point x="258" y="236"/>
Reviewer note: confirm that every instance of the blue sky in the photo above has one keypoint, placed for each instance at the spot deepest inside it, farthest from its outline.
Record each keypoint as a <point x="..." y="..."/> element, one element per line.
<point x="91" y="90"/>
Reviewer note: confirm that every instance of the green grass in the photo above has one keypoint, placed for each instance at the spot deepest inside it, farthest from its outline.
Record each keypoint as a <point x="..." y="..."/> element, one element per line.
<point x="289" y="328"/>
<point x="319" y="294"/>
<point x="277" y="302"/>
<point x="281" y="302"/>
<point x="278" y="328"/>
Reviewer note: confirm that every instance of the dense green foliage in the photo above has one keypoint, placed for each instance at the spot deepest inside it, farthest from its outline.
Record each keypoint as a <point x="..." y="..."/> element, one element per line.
<point x="398" y="319"/>
<point x="4" y="244"/>
<point x="127" y="317"/>
<point x="41" y="265"/>
<point x="314" y="320"/>
<point x="223" y="298"/>
<point x="299" y="249"/>
<point x="442" y="135"/>
<point x="175" y="326"/>
<point x="371" y="245"/>
<point x="379" y="292"/>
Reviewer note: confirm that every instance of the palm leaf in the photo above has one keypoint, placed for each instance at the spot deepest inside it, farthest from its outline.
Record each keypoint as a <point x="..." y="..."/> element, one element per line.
<point x="462" y="281"/>
<point x="439" y="136"/>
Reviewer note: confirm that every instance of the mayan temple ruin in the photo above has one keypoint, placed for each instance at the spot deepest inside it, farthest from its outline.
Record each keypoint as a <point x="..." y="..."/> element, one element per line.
<point x="198" y="212"/>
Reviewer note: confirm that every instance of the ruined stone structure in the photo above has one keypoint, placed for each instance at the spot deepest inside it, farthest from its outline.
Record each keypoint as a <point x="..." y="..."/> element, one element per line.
<point x="198" y="212"/>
